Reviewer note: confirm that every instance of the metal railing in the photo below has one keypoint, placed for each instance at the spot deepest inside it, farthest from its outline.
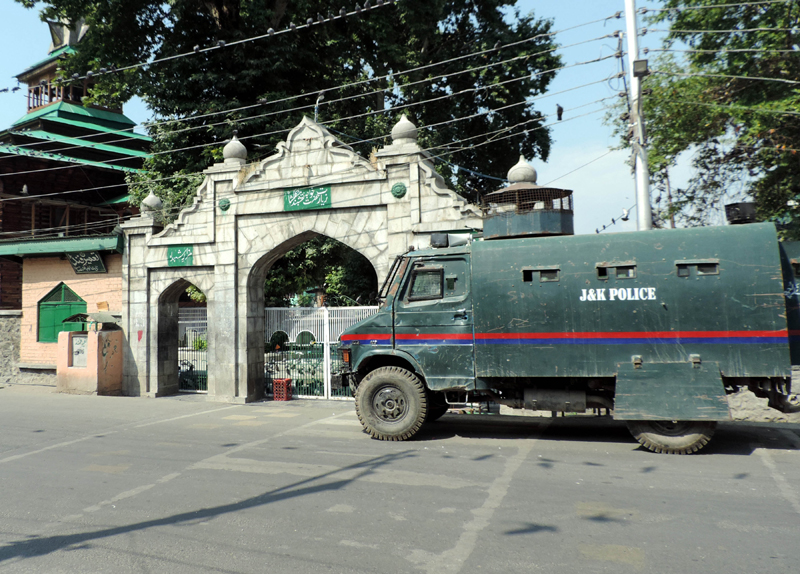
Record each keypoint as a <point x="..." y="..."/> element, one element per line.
<point x="192" y="350"/>
<point x="301" y="343"/>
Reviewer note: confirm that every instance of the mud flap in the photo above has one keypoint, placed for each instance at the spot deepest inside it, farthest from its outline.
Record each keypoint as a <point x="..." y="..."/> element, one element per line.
<point x="670" y="391"/>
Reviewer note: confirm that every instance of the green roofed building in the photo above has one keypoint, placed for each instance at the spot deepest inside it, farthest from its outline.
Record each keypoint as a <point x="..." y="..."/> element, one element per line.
<point x="62" y="195"/>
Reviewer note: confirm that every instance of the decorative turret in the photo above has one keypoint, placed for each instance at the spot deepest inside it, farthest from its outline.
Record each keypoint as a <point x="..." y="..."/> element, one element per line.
<point x="151" y="203"/>
<point x="524" y="209"/>
<point x="522" y="172"/>
<point x="404" y="132"/>
<point x="234" y="151"/>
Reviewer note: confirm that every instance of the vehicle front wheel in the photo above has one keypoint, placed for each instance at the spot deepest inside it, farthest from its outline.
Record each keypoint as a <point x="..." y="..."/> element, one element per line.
<point x="672" y="437"/>
<point x="391" y="403"/>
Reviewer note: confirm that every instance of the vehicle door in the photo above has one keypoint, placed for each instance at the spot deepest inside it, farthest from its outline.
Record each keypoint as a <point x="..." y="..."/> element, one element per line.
<point x="434" y="321"/>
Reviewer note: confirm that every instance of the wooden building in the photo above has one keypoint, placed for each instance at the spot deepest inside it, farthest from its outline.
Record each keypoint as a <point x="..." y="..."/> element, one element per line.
<point x="62" y="196"/>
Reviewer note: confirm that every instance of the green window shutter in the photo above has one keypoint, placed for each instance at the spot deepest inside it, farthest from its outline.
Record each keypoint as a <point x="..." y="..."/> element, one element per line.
<point x="47" y="323"/>
<point x="57" y="305"/>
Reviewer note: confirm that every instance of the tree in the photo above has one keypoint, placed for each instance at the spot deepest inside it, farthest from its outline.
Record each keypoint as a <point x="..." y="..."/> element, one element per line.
<point x="264" y="87"/>
<point x="731" y="101"/>
<point x="345" y="276"/>
<point x="306" y="63"/>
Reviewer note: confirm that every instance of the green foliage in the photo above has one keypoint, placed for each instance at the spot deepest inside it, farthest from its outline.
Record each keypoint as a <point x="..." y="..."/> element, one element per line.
<point x="199" y="344"/>
<point x="214" y="92"/>
<point x="742" y="146"/>
<point x="346" y="277"/>
<point x="195" y="294"/>
<point x="381" y="41"/>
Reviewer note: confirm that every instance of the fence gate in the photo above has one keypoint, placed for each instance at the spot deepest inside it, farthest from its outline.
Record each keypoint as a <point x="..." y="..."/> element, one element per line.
<point x="192" y="346"/>
<point x="301" y="343"/>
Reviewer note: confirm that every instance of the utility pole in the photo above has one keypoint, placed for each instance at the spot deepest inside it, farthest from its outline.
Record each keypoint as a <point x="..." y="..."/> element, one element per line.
<point x="638" y="70"/>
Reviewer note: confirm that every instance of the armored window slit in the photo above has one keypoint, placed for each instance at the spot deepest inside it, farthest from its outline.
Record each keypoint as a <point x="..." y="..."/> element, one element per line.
<point x="701" y="267"/>
<point x="625" y="271"/>
<point x="544" y="274"/>
<point x="617" y="269"/>
<point x="708" y="268"/>
<point x="548" y="275"/>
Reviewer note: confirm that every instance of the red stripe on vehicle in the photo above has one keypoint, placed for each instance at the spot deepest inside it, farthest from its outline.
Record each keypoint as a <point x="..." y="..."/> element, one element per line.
<point x="413" y="336"/>
<point x="374" y="337"/>
<point x="635" y="335"/>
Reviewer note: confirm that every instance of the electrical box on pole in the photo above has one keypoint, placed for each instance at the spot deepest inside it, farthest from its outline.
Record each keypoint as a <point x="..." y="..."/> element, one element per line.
<point x="638" y="70"/>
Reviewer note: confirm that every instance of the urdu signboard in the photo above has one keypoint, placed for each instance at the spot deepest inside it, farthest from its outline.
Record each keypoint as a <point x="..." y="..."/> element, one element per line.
<point x="180" y="256"/>
<point x="301" y="198"/>
<point x="86" y="262"/>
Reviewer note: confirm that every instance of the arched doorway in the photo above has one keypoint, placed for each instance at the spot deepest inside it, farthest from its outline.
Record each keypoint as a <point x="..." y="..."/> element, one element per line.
<point x="311" y="293"/>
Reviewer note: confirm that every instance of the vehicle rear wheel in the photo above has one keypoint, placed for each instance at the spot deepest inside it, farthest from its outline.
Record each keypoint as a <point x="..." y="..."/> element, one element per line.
<point x="391" y="403"/>
<point x="672" y="437"/>
<point x="437" y="406"/>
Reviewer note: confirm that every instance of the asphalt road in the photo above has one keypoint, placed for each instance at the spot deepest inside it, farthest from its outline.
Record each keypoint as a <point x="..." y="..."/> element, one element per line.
<point x="102" y="484"/>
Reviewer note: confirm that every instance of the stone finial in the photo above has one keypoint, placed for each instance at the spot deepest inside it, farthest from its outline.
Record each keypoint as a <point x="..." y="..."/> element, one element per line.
<point x="522" y="172"/>
<point x="404" y="132"/>
<point x="151" y="203"/>
<point x="234" y="151"/>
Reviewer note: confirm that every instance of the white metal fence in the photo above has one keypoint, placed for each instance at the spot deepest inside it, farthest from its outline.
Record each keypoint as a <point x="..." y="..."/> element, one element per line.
<point x="192" y="350"/>
<point x="301" y="344"/>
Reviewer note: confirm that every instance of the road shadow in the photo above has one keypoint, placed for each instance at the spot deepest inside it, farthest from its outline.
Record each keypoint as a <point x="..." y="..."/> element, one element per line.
<point x="42" y="545"/>
<point x="584" y="429"/>
<point x="731" y="438"/>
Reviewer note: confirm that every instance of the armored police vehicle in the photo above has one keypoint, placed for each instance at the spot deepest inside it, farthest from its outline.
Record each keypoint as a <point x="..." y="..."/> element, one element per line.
<point x="658" y="326"/>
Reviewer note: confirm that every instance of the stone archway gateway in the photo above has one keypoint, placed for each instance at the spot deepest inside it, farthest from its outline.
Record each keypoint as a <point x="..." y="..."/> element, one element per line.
<point x="244" y="218"/>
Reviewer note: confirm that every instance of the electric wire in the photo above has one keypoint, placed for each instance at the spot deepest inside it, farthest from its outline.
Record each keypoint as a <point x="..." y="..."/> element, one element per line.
<point x="194" y="175"/>
<point x="644" y="31"/>
<point x="725" y="76"/>
<point x="723" y="51"/>
<point x="614" y="220"/>
<point x="366" y="114"/>
<point x="369" y="80"/>
<point x="714" y="6"/>
<point x="355" y="96"/>
<point x="734" y="107"/>
<point x="177" y="209"/>
<point x="221" y="44"/>
<point x="579" y="167"/>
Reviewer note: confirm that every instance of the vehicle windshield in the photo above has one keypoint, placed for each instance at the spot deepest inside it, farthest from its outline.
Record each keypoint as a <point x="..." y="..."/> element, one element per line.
<point x="392" y="282"/>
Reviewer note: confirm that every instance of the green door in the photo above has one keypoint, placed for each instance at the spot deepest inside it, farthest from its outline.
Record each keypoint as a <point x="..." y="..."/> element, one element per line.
<point x="434" y="323"/>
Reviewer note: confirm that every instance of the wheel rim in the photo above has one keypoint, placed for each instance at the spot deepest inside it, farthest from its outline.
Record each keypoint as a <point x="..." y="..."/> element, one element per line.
<point x="672" y="428"/>
<point x="389" y="404"/>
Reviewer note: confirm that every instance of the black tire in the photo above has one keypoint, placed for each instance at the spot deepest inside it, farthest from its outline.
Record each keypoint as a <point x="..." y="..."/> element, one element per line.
<point x="437" y="406"/>
<point x="391" y="403"/>
<point x="672" y="437"/>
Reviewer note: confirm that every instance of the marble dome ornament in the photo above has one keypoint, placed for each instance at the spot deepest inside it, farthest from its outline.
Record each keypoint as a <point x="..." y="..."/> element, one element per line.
<point x="522" y="172"/>
<point x="404" y="132"/>
<point x="151" y="203"/>
<point x="234" y="150"/>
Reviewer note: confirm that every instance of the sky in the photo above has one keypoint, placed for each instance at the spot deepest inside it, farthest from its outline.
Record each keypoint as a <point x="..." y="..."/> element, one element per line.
<point x="581" y="158"/>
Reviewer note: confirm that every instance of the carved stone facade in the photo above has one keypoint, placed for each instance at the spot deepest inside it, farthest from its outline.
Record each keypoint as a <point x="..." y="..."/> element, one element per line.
<point x="244" y="218"/>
